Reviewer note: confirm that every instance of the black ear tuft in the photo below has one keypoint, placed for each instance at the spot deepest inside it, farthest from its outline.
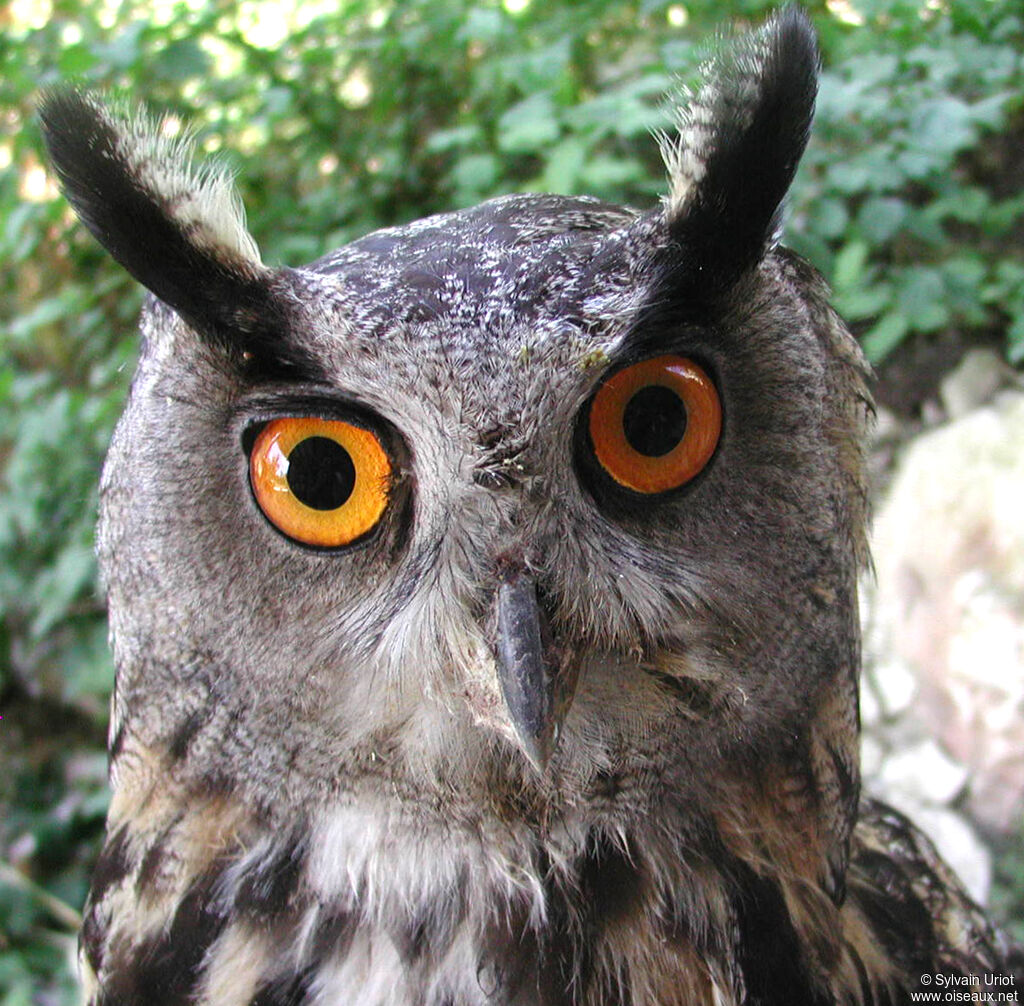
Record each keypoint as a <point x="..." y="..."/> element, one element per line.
<point x="738" y="145"/>
<point x="179" y="230"/>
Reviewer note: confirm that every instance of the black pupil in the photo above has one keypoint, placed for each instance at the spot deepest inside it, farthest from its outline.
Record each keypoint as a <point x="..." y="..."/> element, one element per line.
<point x="654" y="420"/>
<point x="321" y="473"/>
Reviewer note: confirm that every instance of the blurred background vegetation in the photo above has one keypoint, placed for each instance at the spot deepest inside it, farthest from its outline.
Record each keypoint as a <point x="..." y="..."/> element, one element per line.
<point x="341" y="116"/>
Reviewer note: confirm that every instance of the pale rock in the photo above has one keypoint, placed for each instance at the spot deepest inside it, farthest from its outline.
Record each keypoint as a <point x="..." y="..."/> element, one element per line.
<point x="895" y="686"/>
<point x="872" y="756"/>
<point x="887" y="425"/>
<point x="870" y="709"/>
<point x="960" y="847"/>
<point x="948" y="607"/>
<point x="922" y="774"/>
<point x="973" y="382"/>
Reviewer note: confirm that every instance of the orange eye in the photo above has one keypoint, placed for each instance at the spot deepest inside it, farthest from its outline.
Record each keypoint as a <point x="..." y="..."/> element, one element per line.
<point x="655" y="425"/>
<point x="320" y="481"/>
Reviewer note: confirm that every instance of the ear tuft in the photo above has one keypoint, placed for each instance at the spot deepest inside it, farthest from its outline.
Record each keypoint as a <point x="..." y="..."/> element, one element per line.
<point x="178" y="229"/>
<point x="107" y="161"/>
<point x="738" y="144"/>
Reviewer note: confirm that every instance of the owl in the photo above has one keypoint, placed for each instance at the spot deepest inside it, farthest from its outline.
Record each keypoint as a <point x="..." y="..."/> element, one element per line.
<point x="483" y="598"/>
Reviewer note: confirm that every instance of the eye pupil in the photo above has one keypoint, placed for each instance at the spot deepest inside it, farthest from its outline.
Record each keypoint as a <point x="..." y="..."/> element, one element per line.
<point x="321" y="473"/>
<point x="654" y="420"/>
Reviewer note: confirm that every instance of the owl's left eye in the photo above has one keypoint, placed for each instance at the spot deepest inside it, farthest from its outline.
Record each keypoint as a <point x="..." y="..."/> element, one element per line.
<point x="654" y="425"/>
<point x="321" y="482"/>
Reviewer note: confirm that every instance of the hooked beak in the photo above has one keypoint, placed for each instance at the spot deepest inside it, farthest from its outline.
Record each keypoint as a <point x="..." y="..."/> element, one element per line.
<point x="537" y="685"/>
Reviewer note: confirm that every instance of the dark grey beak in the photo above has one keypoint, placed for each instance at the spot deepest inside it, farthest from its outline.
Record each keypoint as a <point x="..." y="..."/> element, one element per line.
<point x="536" y="686"/>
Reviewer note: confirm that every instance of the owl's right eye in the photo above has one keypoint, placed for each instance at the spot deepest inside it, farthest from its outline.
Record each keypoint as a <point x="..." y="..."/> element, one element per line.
<point x="321" y="482"/>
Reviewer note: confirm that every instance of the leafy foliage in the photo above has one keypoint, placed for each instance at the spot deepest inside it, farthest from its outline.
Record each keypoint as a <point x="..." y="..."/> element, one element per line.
<point x="913" y="209"/>
<point x="346" y="116"/>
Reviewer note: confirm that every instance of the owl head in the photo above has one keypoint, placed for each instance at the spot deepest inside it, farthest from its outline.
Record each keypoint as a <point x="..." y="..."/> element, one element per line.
<point x="546" y="505"/>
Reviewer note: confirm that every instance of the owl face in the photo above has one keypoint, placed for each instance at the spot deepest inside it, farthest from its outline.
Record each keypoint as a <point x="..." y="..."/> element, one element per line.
<point x="532" y="485"/>
<point x="476" y="386"/>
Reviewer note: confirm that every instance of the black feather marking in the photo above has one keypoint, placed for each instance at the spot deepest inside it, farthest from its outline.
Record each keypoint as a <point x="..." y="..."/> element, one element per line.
<point x="92" y="938"/>
<point x="754" y="148"/>
<point x="507" y="959"/>
<point x="117" y="743"/>
<point x="183" y="734"/>
<point x="899" y="918"/>
<point x="266" y="891"/>
<point x="431" y="926"/>
<point x="232" y="301"/>
<point x="695" y="696"/>
<point x="290" y="990"/>
<point x="565" y="946"/>
<point x="767" y="946"/>
<point x="112" y="866"/>
<point x="167" y="968"/>
<point x="845" y="777"/>
<point x="522" y="967"/>
<point x="334" y="935"/>
<point x="610" y="879"/>
<point x="153" y="862"/>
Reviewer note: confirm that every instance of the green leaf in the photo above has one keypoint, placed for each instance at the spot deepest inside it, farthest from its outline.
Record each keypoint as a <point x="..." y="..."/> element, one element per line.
<point x="475" y="174"/>
<point x="604" y="175"/>
<point x="860" y="303"/>
<point x="1015" y="339"/>
<point x="45" y="312"/>
<point x="830" y="217"/>
<point x="920" y="294"/>
<point x="125" y="48"/>
<point x="76" y="60"/>
<point x="72" y="574"/>
<point x="849" y="177"/>
<point x="884" y="337"/>
<point x="880" y="218"/>
<point x="849" y="267"/>
<point x="443" y="140"/>
<point x="22" y="231"/>
<point x="564" y="165"/>
<point x="481" y="24"/>
<point x="183" y="60"/>
<point x="943" y="125"/>
<point x="528" y="126"/>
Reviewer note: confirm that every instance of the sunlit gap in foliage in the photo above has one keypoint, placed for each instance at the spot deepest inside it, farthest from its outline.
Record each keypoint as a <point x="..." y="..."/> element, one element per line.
<point x="158" y="13"/>
<point x="356" y="90"/>
<point x="516" y="6"/>
<point x="36" y="186"/>
<point x="843" y="10"/>
<point x="267" y="24"/>
<point x="29" y="14"/>
<point x="677" y="16"/>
